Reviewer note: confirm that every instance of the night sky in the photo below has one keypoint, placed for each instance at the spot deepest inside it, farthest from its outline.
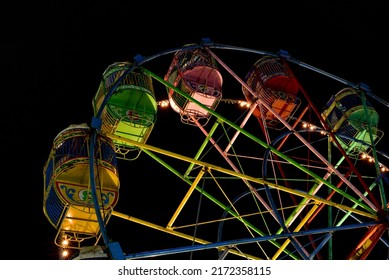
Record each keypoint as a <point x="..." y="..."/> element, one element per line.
<point x="53" y="57"/>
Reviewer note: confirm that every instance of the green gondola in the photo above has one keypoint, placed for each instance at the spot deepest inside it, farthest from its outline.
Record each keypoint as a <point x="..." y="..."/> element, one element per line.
<point x="352" y="121"/>
<point x="131" y="110"/>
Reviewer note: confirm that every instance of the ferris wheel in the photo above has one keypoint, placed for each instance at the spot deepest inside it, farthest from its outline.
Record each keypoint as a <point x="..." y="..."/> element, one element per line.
<point x="227" y="154"/>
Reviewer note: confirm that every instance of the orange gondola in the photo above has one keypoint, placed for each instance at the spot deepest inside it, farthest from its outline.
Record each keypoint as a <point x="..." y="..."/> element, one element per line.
<point x="271" y="81"/>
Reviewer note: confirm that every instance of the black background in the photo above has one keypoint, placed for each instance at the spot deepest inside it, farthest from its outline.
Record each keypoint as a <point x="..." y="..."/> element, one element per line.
<point x="53" y="55"/>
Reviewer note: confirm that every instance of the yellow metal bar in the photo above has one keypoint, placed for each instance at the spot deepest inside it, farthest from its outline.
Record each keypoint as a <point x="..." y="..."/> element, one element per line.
<point x="297" y="229"/>
<point x="186" y="197"/>
<point x="180" y="234"/>
<point x="158" y="227"/>
<point x="204" y="144"/>
<point x="244" y="176"/>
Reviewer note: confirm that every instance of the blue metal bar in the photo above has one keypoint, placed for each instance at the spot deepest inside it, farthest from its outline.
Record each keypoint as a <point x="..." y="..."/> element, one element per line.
<point x="243" y="241"/>
<point x="93" y="186"/>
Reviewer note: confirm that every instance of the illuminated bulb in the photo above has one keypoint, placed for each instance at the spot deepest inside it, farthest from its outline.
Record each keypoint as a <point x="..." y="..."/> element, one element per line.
<point x="243" y="103"/>
<point x="65" y="253"/>
<point x="65" y="242"/>
<point x="164" y="103"/>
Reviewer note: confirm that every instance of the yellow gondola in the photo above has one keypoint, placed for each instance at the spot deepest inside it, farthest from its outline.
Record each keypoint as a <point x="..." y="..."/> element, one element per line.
<point x="67" y="202"/>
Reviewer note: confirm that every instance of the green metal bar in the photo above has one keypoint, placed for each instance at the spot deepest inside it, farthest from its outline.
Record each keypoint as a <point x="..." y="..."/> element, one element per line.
<point x="260" y="181"/>
<point x="381" y="185"/>
<point x="260" y="101"/>
<point x="314" y="189"/>
<point x="354" y="206"/>
<point x="329" y="213"/>
<point x="202" y="147"/>
<point x="263" y="144"/>
<point x="214" y="200"/>
<point x="148" y="150"/>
